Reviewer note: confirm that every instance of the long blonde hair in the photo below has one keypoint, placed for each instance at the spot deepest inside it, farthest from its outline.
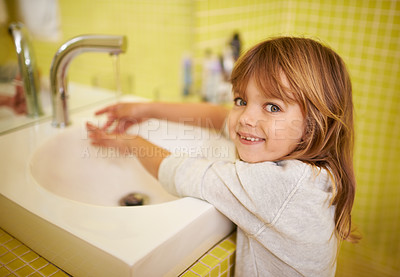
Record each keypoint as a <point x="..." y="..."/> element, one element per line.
<point x="320" y="84"/>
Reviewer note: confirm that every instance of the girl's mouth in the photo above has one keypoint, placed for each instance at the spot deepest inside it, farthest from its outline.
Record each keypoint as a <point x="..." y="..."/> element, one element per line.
<point x="248" y="139"/>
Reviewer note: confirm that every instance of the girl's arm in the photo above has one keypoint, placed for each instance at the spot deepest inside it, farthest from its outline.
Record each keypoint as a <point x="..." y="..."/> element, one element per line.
<point x="199" y="114"/>
<point x="126" y="114"/>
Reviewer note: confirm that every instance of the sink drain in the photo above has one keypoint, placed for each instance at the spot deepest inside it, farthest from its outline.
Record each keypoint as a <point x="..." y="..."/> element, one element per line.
<point x="134" y="199"/>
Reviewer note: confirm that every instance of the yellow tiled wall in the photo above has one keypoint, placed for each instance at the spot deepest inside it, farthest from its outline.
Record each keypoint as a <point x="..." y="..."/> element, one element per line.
<point x="158" y="34"/>
<point x="365" y="33"/>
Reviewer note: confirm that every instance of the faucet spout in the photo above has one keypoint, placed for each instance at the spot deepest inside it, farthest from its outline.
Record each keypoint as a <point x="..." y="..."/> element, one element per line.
<point x="27" y="68"/>
<point x="87" y="43"/>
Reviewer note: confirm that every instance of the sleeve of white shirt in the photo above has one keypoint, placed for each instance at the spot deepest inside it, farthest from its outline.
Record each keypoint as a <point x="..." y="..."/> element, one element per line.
<point x="251" y="195"/>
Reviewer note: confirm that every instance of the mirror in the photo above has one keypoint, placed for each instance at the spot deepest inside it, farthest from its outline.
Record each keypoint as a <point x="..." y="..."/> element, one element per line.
<point x="21" y="95"/>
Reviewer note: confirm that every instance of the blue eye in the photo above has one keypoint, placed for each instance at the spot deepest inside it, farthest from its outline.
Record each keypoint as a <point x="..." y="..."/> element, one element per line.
<point x="239" y="102"/>
<point x="272" y="108"/>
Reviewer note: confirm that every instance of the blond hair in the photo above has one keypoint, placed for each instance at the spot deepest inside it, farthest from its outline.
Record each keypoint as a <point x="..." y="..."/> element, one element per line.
<point x="320" y="84"/>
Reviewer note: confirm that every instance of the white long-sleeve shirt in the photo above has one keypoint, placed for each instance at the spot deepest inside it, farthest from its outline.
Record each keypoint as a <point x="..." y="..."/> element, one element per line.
<point x="282" y="210"/>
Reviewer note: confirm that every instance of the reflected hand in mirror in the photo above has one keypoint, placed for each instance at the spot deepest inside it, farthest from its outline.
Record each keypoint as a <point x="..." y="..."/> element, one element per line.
<point x="16" y="102"/>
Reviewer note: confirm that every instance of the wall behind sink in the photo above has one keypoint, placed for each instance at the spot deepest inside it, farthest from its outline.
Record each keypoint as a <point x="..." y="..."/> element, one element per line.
<point x="158" y="33"/>
<point x="365" y="33"/>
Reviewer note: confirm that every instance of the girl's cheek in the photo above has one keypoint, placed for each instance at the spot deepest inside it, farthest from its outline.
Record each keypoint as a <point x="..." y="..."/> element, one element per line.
<point x="296" y="129"/>
<point x="232" y="121"/>
<point x="231" y="132"/>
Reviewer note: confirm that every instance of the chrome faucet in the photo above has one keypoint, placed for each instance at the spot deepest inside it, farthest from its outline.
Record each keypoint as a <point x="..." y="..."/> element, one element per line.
<point x="59" y="67"/>
<point x="27" y="68"/>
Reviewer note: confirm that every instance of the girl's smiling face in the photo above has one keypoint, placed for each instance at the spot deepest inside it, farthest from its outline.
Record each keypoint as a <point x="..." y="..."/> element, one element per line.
<point x="264" y="128"/>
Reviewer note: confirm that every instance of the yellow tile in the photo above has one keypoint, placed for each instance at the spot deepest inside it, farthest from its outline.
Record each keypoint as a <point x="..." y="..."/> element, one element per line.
<point x="215" y="272"/>
<point x="48" y="270"/>
<point x="36" y="274"/>
<point x="29" y="257"/>
<point x="25" y="271"/>
<point x="232" y="270"/>
<point x="224" y="265"/>
<point x="3" y="250"/>
<point x="200" y="269"/>
<point x="7" y="258"/>
<point x="15" y="264"/>
<point x="21" y="250"/>
<point x="228" y="246"/>
<point x="219" y="253"/>
<point x="210" y="261"/>
<point x="232" y="259"/>
<point x="189" y="274"/>
<point x="39" y="263"/>
<point x="5" y="238"/>
<point x="59" y="273"/>
<point x="4" y="271"/>
<point x="12" y="244"/>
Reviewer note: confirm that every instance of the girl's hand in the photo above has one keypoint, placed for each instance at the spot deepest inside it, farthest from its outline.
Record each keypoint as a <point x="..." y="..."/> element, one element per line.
<point x="149" y="155"/>
<point x="17" y="102"/>
<point x="124" y="115"/>
<point x="102" y="138"/>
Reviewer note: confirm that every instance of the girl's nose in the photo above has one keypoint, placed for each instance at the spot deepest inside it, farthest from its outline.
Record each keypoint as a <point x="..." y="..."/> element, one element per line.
<point x="249" y="117"/>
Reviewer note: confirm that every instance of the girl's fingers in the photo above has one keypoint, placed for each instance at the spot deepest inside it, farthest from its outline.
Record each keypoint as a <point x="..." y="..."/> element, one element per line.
<point x="108" y="109"/>
<point x="108" y="123"/>
<point x="102" y="138"/>
<point x="121" y="127"/>
<point x="94" y="132"/>
<point x="99" y="136"/>
<point x="90" y="126"/>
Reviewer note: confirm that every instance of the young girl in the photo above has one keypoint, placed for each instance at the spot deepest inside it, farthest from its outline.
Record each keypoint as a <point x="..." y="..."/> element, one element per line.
<point x="291" y="190"/>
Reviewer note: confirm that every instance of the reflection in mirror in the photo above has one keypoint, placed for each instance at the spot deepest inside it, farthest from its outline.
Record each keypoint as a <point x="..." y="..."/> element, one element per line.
<point x="28" y="72"/>
<point x="19" y="82"/>
<point x="13" y="106"/>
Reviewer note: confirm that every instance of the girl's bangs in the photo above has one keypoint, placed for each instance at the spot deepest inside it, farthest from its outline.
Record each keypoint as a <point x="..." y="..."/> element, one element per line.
<point x="267" y="72"/>
<point x="269" y="79"/>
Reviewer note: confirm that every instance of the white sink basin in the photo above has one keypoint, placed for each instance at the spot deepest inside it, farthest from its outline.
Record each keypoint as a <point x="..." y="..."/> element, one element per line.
<point x="69" y="166"/>
<point x="66" y="193"/>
